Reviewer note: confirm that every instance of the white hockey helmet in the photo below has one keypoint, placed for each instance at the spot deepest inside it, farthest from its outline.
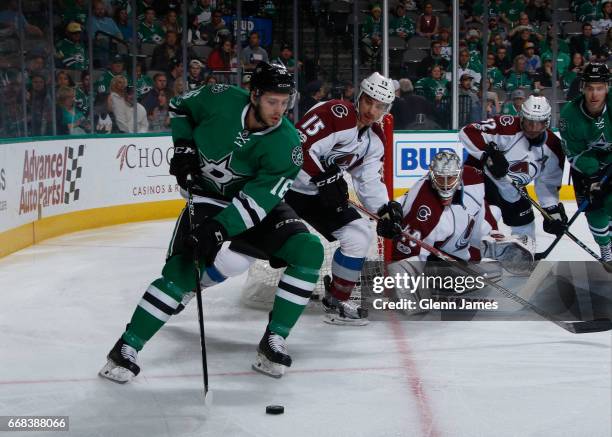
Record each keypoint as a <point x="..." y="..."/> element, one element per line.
<point x="536" y="108"/>
<point x="445" y="174"/>
<point x="379" y="88"/>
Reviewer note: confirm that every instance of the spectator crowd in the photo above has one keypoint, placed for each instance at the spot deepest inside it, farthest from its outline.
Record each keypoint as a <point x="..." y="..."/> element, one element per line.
<point x="49" y="87"/>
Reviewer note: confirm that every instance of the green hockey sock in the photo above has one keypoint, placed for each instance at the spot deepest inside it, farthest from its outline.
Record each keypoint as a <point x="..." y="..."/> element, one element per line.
<point x="154" y="309"/>
<point x="292" y="296"/>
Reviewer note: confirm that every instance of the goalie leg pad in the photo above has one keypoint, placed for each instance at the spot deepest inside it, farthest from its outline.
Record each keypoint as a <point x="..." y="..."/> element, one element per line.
<point x="514" y="253"/>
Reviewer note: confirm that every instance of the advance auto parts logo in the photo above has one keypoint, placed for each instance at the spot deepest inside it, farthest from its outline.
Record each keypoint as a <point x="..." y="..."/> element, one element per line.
<point x="132" y="156"/>
<point x="50" y="179"/>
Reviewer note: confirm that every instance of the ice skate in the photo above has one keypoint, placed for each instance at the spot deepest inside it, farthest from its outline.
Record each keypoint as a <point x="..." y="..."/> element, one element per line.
<point x="121" y="366"/>
<point x="272" y="357"/>
<point x="606" y="256"/>
<point x="339" y="312"/>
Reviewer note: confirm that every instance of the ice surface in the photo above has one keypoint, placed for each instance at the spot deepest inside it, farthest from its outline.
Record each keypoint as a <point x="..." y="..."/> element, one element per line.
<point x="66" y="301"/>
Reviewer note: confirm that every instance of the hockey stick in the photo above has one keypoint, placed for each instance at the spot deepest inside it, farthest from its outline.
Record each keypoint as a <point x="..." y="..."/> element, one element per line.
<point x="196" y="264"/>
<point x="578" y="327"/>
<point x="547" y="216"/>
<point x="583" y="206"/>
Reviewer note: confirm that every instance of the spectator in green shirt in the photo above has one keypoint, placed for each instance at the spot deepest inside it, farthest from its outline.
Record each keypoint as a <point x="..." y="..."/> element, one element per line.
<point x="400" y="24"/>
<point x="573" y="70"/>
<point x="494" y="74"/>
<point x="70" y="52"/>
<point x="518" y="77"/>
<point x="513" y="107"/>
<point x="148" y="30"/>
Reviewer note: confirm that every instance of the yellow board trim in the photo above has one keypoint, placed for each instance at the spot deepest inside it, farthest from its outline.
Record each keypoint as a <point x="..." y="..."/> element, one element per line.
<point x="23" y="236"/>
<point x="566" y="192"/>
<point x="35" y="232"/>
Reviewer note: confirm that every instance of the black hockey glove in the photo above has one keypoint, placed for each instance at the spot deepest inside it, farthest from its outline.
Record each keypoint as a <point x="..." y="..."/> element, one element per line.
<point x="185" y="161"/>
<point x="559" y="223"/>
<point x="390" y="219"/>
<point x="495" y="161"/>
<point x="597" y="191"/>
<point x="333" y="189"/>
<point x="205" y="240"/>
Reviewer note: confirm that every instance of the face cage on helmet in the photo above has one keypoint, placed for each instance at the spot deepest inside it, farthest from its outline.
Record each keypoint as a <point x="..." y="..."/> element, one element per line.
<point x="448" y="190"/>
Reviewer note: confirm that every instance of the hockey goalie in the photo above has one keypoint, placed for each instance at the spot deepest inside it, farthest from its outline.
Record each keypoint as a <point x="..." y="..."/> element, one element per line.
<point x="447" y="210"/>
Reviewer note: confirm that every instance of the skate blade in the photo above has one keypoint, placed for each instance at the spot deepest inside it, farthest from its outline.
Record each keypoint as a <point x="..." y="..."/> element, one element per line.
<point x="267" y="367"/>
<point x="115" y="373"/>
<point x="334" y="319"/>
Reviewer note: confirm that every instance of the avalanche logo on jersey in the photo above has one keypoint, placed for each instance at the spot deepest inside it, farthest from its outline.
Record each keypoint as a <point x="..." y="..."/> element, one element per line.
<point x="464" y="240"/>
<point x="220" y="172"/>
<point x="339" y="111"/>
<point x="522" y="172"/>
<point x="423" y="213"/>
<point x="340" y="158"/>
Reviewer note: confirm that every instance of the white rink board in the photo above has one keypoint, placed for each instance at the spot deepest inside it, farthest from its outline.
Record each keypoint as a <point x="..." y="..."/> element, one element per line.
<point x="41" y="180"/>
<point x="413" y="152"/>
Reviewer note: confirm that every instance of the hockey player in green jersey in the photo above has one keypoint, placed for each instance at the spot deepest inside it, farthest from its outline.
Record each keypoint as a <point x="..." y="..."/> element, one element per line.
<point x="586" y="132"/>
<point x="243" y="156"/>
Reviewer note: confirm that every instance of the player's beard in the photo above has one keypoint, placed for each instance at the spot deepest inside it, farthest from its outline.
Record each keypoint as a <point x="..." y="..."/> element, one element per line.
<point x="258" y="117"/>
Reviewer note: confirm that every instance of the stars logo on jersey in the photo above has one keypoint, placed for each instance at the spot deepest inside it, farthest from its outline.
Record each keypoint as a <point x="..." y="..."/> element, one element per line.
<point x="220" y="172"/>
<point x="297" y="156"/>
<point x="218" y="88"/>
<point x="600" y="123"/>
<point x="601" y="143"/>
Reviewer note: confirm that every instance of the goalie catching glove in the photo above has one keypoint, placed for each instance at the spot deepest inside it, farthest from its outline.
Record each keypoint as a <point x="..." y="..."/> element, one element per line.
<point x="333" y="189"/>
<point x="558" y="224"/>
<point x="390" y="219"/>
<point x="184" y="162"/>
<point x="205" y="240"/>
<point x="495" y="161"/>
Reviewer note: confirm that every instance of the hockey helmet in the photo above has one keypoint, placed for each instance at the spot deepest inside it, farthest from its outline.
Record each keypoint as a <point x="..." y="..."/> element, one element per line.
<point x="595" y="72"/>
<point x="379" y="88"/>
<point x="273" y="78"/>
<point x="535" y="117"/>
<point x="445" y="174"/>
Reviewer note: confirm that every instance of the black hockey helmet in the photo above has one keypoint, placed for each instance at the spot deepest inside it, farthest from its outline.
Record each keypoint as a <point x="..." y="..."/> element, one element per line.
<point x="274" y="78"/>
<point x="595" y="72"/>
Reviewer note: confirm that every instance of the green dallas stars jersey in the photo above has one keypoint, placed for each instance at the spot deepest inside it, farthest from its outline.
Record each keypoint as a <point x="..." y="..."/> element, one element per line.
<point x="253" y="171"/>
<point x="73" y="56"/>
<point x="587" y="141"/>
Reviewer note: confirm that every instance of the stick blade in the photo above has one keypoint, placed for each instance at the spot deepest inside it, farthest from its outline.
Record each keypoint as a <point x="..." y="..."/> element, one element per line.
<point x="597" y="325"/>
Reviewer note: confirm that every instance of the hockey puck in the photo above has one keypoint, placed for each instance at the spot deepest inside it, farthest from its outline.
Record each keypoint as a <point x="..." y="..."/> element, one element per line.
<point x="275" y="409"/>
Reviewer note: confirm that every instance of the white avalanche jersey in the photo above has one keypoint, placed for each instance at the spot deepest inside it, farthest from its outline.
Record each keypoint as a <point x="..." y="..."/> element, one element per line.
<point x="329" y="136"/>
<point x="457" y="229"/>
<point x="542" y="164"/>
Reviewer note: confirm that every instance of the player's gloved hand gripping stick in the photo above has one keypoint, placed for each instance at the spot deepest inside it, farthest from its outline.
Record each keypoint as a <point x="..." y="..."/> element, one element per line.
<point x="605" y="181"/>
<point x="548" y="217"/>
<point x="578" y="327"/>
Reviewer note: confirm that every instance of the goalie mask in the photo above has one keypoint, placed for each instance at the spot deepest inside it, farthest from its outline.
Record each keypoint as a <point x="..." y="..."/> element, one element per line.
<point x="445" y="175"/>
<point x="379" y="88"/>
<point x="535" y="119"/>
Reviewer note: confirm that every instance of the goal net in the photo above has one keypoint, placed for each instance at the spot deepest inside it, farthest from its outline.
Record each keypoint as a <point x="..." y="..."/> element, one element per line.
<point x="262" y="280"/>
